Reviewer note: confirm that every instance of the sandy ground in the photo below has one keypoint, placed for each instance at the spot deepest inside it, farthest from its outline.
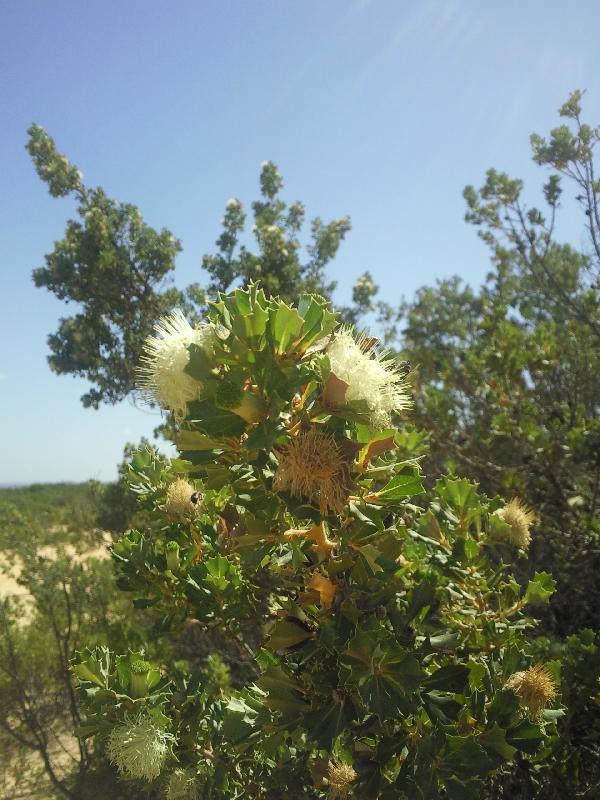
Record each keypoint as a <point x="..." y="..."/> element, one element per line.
<point x="9" y="586"/>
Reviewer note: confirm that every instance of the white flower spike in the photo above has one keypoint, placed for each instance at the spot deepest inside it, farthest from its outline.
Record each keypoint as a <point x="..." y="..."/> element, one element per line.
<point x="372" y="376"/>
<point x="162" y="376"/>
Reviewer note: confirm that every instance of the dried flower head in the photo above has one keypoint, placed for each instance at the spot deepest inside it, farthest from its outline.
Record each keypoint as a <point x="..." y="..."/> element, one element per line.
<point x="372" y="375"/>
<point x="340" y="777"/>
<point x="520" y="518"/>
<point x="325" y="588"/>
<point x="139" y="747"/>
<point x="535" y="688"/>
<point x="312" y="466"/>
<point x="182" y="785"/>
<point x="161" y="375"/>
<point x="181" y="499"/>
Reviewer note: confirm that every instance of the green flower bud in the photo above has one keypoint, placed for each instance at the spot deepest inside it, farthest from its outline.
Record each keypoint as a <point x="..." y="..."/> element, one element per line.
<point x="172" y="555"/>
<point x="138" y="685"/>
<point x="231" y="397"/>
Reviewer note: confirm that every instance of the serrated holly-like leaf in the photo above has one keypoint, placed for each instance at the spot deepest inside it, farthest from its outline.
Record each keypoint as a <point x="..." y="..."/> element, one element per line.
<point x="459" y="493"/>
<point x="220" y="572"/>
<point x="422" y="595"/>
<point x="243" y="716"/>
<point x="526" y="736"/>
<point x="405" y="485"/>
<point x="250" y="321"/>
<point x="319" y="321"/>
<point x="283" y="693"/>
<point x="476" y="673"/>
<point x="385" y="695"/>
<point x="540" y="588"/>
<point x="457" y="789"/>
<point x="499" y="530"/>
<point x="286" y="325"/>
<point x="386" y="674"/>
<point x="495" y="739"/>
<point x="96" y="668"/>
<point x="465" y="758"/>
<point x="324" y="724"/>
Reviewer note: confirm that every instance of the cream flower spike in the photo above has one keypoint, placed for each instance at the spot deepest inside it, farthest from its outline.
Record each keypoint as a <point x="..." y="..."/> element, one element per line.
<point x="372" y="376"/>
<point x="161" y="375"/>
<point x="535" y="688"/>
<point x="340" y="777"/>
<point x="139" y="747"/>
<point x="520" y="518"/>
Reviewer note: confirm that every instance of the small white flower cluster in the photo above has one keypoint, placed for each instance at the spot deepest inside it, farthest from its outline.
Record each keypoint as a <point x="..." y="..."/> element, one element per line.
<point x="139" y="747"/>
<point x="372" y="376"/>
<point x="162" y="376"/>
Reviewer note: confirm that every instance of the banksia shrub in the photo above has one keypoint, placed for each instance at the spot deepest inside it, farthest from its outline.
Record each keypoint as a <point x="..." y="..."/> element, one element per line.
<point x="386" y="638"/>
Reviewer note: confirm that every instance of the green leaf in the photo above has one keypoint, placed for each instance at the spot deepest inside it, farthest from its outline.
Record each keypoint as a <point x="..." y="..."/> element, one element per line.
<point x="476" y="673"/>
<point x="456" y="789"/>
<point x="325" y="723"/>
<point x="405" y="485"/>
<point x="287" y="633"/>
<point x="207" y="418"/>
<point x="444" y="641"/>
<point x="199" y="365"/>
<point x="264" y="436"/>
<point x="286" y="324"/>
<point x="465" y="758"/>
<point x="193" y="440"/>
<point x="540" y="588"/>
<point x="495" y="739"/>
<point x="387" y="675"/>
<point x="526" y="737"/>
<point x="244" y="716"/>
<point x="283" y="694"/>
<point x="220" y="572"/>
<point x="458" y="493"/>
<point x="250" y="321"/>
<point x="450" y="678"/>
<point x="423" y="595"/>
<point x="319" y="321"/>
<point x="96" y="668"/>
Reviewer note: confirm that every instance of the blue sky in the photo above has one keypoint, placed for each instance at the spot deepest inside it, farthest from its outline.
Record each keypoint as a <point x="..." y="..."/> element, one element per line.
<point x="383" y="109"/>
